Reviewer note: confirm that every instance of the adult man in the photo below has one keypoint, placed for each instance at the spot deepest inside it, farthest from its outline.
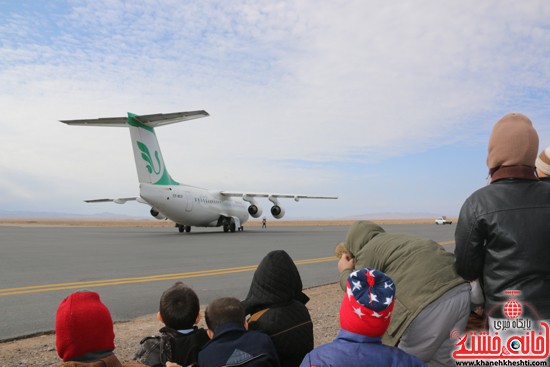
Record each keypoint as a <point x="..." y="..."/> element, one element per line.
<point x="431" y="299"/>
<point x="502" y="236"/>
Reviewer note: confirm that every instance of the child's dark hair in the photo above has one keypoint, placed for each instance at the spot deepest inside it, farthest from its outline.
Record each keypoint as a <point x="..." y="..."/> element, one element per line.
<point x="179" y="307"/>
<point x="223" y="311"/>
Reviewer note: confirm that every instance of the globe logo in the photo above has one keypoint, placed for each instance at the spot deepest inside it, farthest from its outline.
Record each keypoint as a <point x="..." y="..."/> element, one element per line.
<point x="512" y="309"/>
<point x="515" y="345"/>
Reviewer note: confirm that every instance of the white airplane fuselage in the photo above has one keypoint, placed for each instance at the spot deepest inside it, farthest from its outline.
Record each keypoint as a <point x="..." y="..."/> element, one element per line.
<point x="193" y="206"/>
<point x="187" y="206"/>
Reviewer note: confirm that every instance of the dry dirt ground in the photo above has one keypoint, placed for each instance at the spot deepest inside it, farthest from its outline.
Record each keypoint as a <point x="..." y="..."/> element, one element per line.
<point x="40" y="351"/>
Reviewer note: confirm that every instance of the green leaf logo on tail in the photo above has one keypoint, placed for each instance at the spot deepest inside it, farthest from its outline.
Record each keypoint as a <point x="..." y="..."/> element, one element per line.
<point x="146" y="155"/>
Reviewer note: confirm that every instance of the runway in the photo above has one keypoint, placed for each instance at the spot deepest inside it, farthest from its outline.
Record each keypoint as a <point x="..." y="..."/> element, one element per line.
<point x="131" y="267"/>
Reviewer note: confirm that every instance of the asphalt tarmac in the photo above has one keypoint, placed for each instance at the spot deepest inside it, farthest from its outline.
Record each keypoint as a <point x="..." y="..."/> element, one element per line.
<point x="131" y="267"/>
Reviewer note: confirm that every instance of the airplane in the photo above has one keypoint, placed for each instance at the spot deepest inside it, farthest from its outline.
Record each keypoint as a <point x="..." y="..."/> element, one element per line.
<point x="187" y="206"/>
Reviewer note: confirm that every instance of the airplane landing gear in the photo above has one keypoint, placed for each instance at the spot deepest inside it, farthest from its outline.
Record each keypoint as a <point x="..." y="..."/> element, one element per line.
<point x="182" y="228"/>
<point x="229" y="225"/>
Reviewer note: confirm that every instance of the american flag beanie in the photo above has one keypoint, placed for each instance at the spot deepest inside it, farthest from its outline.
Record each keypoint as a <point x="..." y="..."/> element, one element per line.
<point x="368" y="303"/>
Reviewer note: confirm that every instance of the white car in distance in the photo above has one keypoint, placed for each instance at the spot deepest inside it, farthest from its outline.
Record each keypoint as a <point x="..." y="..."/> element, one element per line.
<point x="443" y="220"/>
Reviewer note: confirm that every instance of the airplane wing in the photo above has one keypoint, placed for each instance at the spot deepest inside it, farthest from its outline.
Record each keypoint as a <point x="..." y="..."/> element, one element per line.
<point x="296" y="197"/>
<point x="117" y="200"/>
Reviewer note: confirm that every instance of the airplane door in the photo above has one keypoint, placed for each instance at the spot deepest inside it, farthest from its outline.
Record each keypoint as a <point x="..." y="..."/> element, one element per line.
<point x="189" y="200"/>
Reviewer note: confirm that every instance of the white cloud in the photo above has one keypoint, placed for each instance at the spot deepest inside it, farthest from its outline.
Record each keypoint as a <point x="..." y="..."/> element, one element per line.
<point x="286" y="83"/>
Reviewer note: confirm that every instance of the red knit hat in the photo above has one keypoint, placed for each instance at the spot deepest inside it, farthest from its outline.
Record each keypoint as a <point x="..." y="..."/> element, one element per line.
<point x="82" y="325"/>
<point x="368" y="303"/>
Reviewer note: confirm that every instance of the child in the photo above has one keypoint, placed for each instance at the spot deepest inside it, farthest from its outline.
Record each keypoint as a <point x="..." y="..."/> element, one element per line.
<point x="277" y="307"/>
<point x="179" y="340"/>
<point x="84" y="334"/>
<point x="364" y="317"/>
<point x="231" y="343"/>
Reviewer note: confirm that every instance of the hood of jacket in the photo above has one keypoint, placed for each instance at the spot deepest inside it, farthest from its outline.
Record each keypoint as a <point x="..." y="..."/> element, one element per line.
<point x="359" y="234"/>
<point x="275" y="281"/>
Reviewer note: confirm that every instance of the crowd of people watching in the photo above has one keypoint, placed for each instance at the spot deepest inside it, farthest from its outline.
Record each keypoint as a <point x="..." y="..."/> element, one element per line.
<point x="403" y="296"/>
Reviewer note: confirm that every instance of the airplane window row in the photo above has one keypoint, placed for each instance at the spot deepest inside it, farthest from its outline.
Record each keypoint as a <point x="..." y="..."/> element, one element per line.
<point x="207" y="201"/>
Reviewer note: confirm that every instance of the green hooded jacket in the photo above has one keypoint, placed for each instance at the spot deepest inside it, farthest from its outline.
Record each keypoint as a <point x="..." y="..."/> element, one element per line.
<point x="421" y="269"/>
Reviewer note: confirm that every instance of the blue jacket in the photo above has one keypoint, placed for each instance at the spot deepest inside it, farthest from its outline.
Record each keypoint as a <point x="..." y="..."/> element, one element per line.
<point x="350" y="349"/>
<point x="233" y="345"/>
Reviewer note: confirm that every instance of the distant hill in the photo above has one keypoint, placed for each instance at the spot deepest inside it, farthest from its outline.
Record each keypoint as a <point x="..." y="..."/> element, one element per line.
<point x="31" y="214"/>
<point x="397" y="215"/>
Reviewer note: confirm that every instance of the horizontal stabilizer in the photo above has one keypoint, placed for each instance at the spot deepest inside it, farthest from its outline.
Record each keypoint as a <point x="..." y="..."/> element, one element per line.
<point x="158" y="119"/>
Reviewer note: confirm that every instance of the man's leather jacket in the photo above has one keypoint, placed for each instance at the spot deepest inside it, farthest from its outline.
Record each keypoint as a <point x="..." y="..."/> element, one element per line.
<point x="503" y="238"/>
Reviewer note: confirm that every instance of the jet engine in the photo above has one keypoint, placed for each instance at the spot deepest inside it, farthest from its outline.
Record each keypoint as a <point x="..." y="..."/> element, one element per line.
<point x="155" y="213"/>
<point x="277" y="211"/>
<point x="255" y="211"/>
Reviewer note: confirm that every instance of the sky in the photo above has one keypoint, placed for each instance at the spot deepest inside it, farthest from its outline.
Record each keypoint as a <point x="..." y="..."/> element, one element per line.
<point x="387" y="105"/>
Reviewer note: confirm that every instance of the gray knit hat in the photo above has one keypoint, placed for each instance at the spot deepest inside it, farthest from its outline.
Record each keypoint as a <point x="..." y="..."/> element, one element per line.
<point x="513" y="142"/>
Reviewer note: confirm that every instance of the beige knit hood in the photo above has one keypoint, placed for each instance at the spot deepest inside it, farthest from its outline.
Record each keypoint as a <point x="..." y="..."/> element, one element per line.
<point x="513" y="142"/>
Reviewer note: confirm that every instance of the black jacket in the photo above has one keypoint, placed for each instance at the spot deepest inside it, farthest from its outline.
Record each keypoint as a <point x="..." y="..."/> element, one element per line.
<point x="276" y="294"/>
<point x="172" y="346"/>
<point x="232" y="345"/>
<point x="503" y="238"/>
